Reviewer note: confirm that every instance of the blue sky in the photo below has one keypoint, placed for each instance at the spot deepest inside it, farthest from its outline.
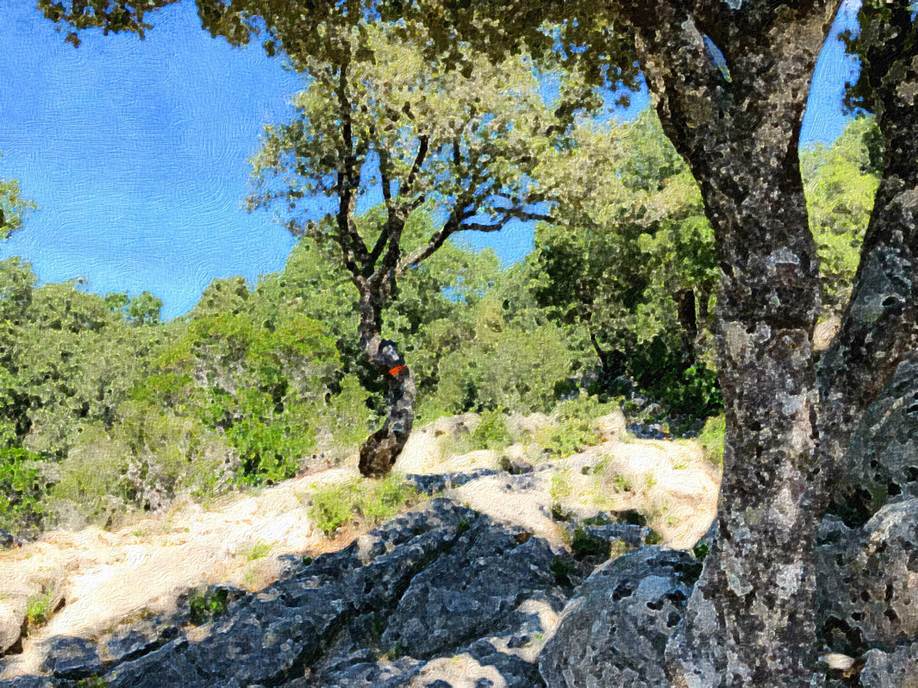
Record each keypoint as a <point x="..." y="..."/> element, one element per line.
<point x="136" y="152"/>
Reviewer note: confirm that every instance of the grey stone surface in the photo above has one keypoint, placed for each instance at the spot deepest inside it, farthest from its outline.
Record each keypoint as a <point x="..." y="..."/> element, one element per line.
<point x="72" y="658"/>
<point x="397" y="606"/>
<point x="882" y="459"/>
<point x="614" y="631"/>
<point x="867" y="582"/>
<point x="896" y="669"/>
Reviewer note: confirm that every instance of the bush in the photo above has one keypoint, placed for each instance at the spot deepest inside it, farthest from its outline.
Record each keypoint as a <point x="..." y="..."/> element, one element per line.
<point x="207" y="604"/>
<point x="346" y="417"/>
<point x="491" y="431"/>
<point x="574" y="430"/>
<point x="21" y="490"/>
<point x="92" y="482"/>
<point x="711" y="438"/>
<point x="373" y="501"/>
<point x="38" y="609"/>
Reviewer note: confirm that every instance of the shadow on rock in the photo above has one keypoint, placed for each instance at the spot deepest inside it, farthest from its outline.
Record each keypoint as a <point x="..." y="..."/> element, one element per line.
<point x="443" y="596"/>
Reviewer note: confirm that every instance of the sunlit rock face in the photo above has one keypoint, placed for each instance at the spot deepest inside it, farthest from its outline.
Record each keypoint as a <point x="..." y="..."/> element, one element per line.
<point x="615" y="630"/>
<point x="882" y="459"/>
<point x="867" y="581"/>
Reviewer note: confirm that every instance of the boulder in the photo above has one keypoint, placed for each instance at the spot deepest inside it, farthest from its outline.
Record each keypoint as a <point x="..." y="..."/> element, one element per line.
<point x="867" y="580"/>
<point x="882" y="459"/>
<point x="12" y="621"/>
<point x="72" y="658"/>
<point x="614" y="631"/>
<point x="444" y="594"/>
<point x="896" y="669"/>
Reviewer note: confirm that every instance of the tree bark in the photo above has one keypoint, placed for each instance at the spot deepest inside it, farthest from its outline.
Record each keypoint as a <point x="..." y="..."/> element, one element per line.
<point x="381" y="449"/>
<point x="730" y="87"/>
<point x="880" y="323"/>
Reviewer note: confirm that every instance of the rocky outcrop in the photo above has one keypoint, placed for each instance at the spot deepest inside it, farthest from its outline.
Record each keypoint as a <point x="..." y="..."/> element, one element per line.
<point x="12" y="622"/>
<point x="896" y="669"/>
<point x="438" y="593"/>
<point x="867" y="580"/>
<point x="614" y="631"/>
<point x="882" y="459"/>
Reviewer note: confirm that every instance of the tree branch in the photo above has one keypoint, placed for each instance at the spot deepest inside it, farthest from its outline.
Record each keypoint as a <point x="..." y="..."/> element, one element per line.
<point x="354" y="250"/>
<point x="406" y="188"/>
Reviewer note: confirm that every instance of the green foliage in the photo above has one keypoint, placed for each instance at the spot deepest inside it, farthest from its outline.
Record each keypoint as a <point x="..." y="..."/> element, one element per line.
<point x="503" y="360"/>
<point x="563" y="569"/>
<point x="585" y="545"/>
<point x="206" y="605"/>
<point x="840" y="182"/>
<point x="21" y="490"/>
<point x="12" y="207"/>
<point x="91" y="483"/>
<point x="371" y="500"/>
<point x="711" y="438"/>
<point x="491" y="431"/>
<point x="630" y="245"/>
<point x="39" y="610"/>
<point x="559" y="488"/>
<point x="92" y="682"/>
<point x="573" y="430"/>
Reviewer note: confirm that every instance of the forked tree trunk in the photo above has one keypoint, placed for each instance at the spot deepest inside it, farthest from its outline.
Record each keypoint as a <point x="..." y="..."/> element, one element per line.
<point x="735" y="117"/>
<point x="380" y="450"/>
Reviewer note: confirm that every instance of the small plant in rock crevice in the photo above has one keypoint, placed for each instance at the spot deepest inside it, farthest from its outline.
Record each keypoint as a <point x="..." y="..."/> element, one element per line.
<point x="206" y="605"/>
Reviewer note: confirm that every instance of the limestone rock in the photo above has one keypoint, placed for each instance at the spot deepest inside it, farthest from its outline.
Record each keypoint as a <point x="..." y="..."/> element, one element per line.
<point x="882" y="461"/>
<point x="868" y="580"/>
<point x="614" y="631"/>
<point x="12" y="620"/>
<point x="897" y="669"/>
<point x="443" y="594"/>
<point x="72" y="658"/>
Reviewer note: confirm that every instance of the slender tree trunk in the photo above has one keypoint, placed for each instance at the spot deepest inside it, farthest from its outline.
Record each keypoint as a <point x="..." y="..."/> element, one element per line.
<point x="380" y="450"/>
<point x="730" y="87"/>
<point x="685" y="308"/>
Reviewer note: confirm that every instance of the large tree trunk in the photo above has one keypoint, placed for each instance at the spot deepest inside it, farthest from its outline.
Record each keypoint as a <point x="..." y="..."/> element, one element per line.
<point x="380" y="450"/>
<point x="735" y="117"/>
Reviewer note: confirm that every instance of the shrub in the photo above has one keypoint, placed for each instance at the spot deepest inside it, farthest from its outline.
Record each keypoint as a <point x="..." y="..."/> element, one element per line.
<point x="560" y="487"/>
<point x="331" y="507"/>
<point x="257" y="551"/>
<point x="38" y="609"/>
<point x="573" y="431"/>
<point x="491" y="431"/>
<point x="373" y="501"/>
<point x="21" y="490"/>
<point x="584" y="545"/>
<point x="206" y="605"/>
<point x="92" y="484"/>
<point x="346" y="417"/>
<point x="711" y="438"/>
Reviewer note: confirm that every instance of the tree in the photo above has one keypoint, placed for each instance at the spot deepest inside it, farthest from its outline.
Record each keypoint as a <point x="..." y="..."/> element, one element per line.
<point x="841" y="182"/>
<point x="12" y="207"/>
<point x="630" y="257"/>
<point x="730" y="83"/>
<point x="378" y="113"/>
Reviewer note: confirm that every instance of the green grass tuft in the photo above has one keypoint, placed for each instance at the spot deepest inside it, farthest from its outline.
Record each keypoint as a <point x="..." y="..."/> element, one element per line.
<point x="711" y="438"/>
<point x="372" y="501"/>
